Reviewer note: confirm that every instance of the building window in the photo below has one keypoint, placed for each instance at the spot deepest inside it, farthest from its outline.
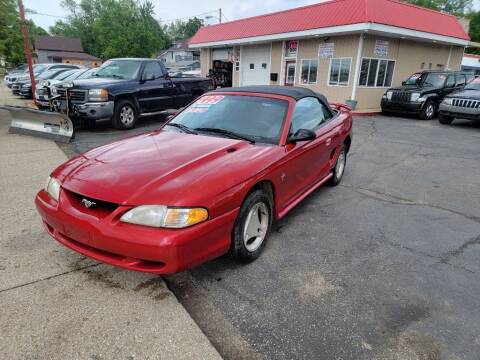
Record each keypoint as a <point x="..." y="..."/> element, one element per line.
<point x="252" y="66"/>
<point x="339" y="71"/>
<point x="376" y="72"/>
<point x="309" y="71"/>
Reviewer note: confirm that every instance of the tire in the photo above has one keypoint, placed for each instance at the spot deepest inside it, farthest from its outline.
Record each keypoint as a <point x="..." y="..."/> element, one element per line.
<point x="339" y="168"/>
<point x="125" y="115"/>
<point x="429" y="110"/>
<point x="245" y="247"/>
<point x="445" y="119"/>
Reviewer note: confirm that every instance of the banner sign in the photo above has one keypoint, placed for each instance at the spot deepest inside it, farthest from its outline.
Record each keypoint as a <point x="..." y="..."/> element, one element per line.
<point x="326" y="50"/>
<point x="291" y="48"/>
<point x="381" y="48"/>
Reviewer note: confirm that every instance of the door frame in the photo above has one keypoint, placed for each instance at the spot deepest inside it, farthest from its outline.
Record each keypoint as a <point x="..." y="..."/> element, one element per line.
<point x="287" y="63"/>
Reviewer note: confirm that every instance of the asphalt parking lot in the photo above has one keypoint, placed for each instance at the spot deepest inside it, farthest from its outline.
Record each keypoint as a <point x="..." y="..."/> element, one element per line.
<point x="385" y="266"/>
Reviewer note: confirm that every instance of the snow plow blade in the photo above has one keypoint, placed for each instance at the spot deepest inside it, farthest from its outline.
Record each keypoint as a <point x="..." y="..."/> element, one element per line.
<point x="46" y="124"/>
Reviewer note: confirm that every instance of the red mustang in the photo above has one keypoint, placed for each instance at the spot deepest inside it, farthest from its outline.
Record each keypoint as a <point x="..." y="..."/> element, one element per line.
<point x="210" y="181"/>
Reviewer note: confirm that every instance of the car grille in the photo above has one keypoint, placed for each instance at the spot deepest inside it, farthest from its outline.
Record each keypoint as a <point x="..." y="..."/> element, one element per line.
<point x="76" y="96"/>
<point x="466" y="103"/>
<point x="15" y="87"/>
<point x="100" y="207"/>
<point x="42" y="91"/>
<point x="400" y="96"/>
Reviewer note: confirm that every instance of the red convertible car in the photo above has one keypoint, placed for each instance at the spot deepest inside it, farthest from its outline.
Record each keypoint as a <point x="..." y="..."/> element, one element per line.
<point x="210" y="181"/>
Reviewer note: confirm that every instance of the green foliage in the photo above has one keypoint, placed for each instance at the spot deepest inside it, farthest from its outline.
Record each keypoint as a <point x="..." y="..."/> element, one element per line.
<point x="113" y="28"/>
<point x="183" y="30"/>
<point x="474" y="18"/>
<point x="11" y="38"/>
<point x="455" y="7"/>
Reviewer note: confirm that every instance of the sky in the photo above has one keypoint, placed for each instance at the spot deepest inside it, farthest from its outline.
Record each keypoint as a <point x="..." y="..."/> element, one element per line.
<point x="168" y="10"/>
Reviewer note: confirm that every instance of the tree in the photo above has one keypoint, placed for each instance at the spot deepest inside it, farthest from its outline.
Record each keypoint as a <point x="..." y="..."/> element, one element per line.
<point x="183" y="30"/>
<point x="113" y="28"/>
<point x="11" y="39"/>
<point x="455" y="7"/>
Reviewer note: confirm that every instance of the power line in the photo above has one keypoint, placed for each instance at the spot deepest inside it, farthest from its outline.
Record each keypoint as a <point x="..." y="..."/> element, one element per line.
<point x="188" y="17"/>
<point x="33" y="12"/>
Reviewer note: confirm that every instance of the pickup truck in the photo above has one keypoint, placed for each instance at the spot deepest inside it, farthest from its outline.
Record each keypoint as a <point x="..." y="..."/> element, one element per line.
<point x="125" y="90"/>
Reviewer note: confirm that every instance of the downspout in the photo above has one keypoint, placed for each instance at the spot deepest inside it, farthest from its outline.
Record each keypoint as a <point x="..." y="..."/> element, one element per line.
<point x="358" y="63"/>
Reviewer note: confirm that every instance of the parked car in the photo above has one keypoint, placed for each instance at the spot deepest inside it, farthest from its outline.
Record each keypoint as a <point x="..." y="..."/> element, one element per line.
<point x="45" y="88"/>
<point x="462" y="104"/>
<point x="22" y="76"/>
<point x="124" y="90"/>
<point x="42" y="71"/>
<point x="422" y="92"/>
<point x="210" y="181"/>
<point x="13" y="72"/>
<point x="50" y="74"/>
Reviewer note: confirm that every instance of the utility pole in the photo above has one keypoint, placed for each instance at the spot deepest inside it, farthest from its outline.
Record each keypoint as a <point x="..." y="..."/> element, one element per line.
<point x="220" y="15"/>
<point x="26" y="45"/>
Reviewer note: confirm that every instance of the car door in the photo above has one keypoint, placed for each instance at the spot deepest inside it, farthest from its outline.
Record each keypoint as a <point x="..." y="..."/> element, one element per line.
<point x="308" y="162"/>
<point x="156" y="91"/>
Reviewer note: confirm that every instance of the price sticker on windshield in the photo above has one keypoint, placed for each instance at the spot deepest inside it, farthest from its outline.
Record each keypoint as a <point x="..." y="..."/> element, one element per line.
<point x="204" y="103"/>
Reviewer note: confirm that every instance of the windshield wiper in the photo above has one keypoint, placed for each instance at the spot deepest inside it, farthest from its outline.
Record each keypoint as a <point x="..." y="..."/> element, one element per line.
<point x="227" y="133"/>
<point x="182" y="127"/>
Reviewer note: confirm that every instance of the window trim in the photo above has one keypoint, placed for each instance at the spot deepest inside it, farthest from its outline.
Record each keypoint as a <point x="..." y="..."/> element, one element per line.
<point x="330" y="72"/>
<point x="376" y="75"/>
<point x="301" y="66"/>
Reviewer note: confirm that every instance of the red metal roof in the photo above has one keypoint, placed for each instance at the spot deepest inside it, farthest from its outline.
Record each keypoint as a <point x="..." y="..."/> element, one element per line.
<point x="335" y="13"/>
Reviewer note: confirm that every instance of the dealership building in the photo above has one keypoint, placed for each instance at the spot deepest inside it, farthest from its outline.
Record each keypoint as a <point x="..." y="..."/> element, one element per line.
<point x="349" y="50"/>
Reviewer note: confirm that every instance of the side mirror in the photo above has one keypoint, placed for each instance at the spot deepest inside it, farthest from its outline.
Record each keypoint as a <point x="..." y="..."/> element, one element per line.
<point x="302" y="135"/>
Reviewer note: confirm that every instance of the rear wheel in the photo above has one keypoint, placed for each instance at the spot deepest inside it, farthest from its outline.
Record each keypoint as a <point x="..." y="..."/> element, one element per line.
<point x="445" y="119"/>
<point x="252" y="227"/>
<point x="339" y="168"/>
<point x="429" y="110"/>
<point x="125" y="115"/>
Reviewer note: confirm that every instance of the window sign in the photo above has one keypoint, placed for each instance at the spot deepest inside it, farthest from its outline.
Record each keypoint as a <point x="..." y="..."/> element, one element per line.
<point x="326" y="50"/>
<point x="381" y="48"/>
<point x="291" y="48"/>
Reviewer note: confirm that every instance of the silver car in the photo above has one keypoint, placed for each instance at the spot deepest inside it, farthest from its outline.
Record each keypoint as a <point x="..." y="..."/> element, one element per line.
<point x="462" y="104"/>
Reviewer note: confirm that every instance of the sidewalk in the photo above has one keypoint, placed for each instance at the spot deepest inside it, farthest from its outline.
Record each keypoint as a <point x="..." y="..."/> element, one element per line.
<point x="56" y="304"/>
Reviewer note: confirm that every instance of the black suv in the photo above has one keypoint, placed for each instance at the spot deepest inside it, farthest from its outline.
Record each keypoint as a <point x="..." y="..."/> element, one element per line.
<point x="422" y="92"/>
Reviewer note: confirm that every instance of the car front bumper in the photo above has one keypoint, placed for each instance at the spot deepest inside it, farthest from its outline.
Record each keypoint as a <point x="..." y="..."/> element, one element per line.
<point x="459" y="112"/>
<point x="100" y="235"/>
<point x="406" y="108"/>
<point x="90" y="110"/>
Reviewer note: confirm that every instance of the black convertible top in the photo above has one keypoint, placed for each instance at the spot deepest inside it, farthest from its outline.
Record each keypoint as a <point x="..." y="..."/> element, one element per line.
<point x="295" y="92"/>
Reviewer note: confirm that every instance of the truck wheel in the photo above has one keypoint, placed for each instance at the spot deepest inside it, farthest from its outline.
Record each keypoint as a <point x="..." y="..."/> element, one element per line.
<point x="125" y="115"/>
<point x="445" y="119"/>
<point x="252" y="227"/>
<point x="429" y="110"/>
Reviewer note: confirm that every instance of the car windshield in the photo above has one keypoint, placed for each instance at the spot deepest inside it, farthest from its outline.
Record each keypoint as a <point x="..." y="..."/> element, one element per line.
<point x="87" y="74"/>
<point x="426" y="79"/>
<point x="473" y="85"/>
<point x="49" y="74"/>
<point x="71" y="74"/>
<point x="253" y="118"/>
<point x="119" y="69"/>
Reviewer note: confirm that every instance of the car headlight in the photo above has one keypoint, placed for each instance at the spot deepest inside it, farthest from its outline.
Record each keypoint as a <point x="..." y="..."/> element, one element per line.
<point x="164" y="216"/>
<point x="415" y="96"/>
<point x="44" y="83"/>
<point x="98" y="94"/>
<point x="389" y="95"/>
<point x="448" y="101"/>
<point x="52" y="187"/>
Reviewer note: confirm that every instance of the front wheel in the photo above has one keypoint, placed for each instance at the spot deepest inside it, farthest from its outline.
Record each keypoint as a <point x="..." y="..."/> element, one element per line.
<point x="125" y="115"/>
<point x="445" y="119"/>
<point x="252" y="227"/>
<point x="429" y="110"/>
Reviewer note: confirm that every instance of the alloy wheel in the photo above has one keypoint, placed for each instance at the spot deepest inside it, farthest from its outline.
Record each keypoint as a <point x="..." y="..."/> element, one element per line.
<point x="256" y="226"/>
<point x="127" y="115"/>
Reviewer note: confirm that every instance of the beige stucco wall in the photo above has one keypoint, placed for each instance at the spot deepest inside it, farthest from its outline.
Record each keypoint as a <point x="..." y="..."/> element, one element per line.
<point x="204" y="61"/>
<point x="409" y="56"/>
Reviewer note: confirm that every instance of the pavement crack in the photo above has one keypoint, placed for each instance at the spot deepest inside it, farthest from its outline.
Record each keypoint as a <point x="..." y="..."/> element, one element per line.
<point x="460" y="250"/>
<point x="48" y="277"/>
<point x="397" y="200"/>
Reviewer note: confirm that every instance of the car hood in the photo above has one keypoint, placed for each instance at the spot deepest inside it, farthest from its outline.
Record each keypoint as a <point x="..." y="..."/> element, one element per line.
<point x="413" y="88"/>
<point x="164" y="167"/>
<point x="94" y="83"/>
<point x="466" y="94"/>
